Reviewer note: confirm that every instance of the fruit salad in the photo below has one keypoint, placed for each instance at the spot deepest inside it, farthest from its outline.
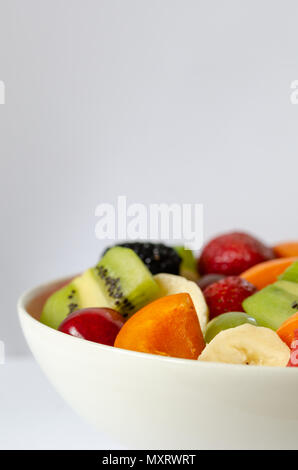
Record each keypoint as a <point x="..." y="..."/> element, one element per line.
<point x="236" y="303"/>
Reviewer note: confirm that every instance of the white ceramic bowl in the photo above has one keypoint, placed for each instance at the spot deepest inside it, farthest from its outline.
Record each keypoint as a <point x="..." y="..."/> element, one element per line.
<point x="152" y="402"/>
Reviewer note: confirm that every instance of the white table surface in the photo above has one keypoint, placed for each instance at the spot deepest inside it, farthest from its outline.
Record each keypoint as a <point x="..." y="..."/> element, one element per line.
<point x="33" y="416"/>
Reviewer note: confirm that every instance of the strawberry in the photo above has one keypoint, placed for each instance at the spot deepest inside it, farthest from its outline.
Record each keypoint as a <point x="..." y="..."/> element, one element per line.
<point x="293" y="362"/>
<point x="227" y="295"/>
<point x="233" y="253"/>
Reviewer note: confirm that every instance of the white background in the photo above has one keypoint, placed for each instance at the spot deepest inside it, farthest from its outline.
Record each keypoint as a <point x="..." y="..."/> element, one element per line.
<point x="160" y="100"/>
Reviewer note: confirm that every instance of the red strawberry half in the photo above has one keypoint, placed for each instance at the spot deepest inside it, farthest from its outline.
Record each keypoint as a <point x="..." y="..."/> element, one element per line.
<point x="233" y="253"/>
<point x="227" y="295"/>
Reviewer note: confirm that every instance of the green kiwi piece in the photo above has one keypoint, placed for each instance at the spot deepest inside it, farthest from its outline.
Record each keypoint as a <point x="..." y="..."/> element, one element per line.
<point x="274" y="304"/>
<point x="60" y="304"/>
<point x="120" y="281"/>
<point x="188" y="266"/>
<point x="83" y="292"/>
<point x="125" y="280"/>
<point x="291" y="273"/>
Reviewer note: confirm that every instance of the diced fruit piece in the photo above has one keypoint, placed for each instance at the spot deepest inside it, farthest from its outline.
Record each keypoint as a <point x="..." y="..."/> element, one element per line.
<point x="233" y="253"/>
<point x="158" y="258"/>
<point x="91" y="294"/>
<point x="289" y="329"/>
<point x="60" y="304"/>
<point x="168" y="326"/>
<point x="249" y="345"/>
<point x="36" y="304"/>
<point x="84" y="291"/>
<point x="293" y="362"/>
<point x="291" y="273"/>
<point x="274" y="304"/>
<point x="125" y="280"/>
<point x="120" y="281"/>
<point x="268" y="272"/>
<point x="100" y="325"/>
<point x="226" y="321"/>
<point x="170" y="284"/>
<point x="286" y="250"/>
<point x="188" y="266"/>
<point x="227" y="295"/>
<point x="209" y="279"/>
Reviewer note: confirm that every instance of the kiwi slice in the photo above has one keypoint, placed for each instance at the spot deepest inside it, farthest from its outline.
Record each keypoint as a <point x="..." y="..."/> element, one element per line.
<point x="120" y="281"/>
<point x="274" y="304"/>
<point x="91" y="293"/>
<point x="83" y="292"/>
<point x="291" y="273"/>
<point x="60" y="304"/>
<point x="125" y="280"/>
<point x="188" y="266"/>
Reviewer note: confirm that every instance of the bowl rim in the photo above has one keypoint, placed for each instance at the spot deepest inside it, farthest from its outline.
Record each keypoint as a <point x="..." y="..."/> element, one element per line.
<point x="30" y="293"/>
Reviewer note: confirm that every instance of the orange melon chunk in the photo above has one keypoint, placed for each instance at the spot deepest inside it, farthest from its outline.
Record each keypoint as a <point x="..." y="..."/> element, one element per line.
<point x="263" y="274"/>
<point x="286" y="250"/>
<point x="168" y="326"/>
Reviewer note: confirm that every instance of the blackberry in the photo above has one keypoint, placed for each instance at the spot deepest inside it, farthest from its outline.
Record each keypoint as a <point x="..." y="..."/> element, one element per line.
<point x="158" y="257"/>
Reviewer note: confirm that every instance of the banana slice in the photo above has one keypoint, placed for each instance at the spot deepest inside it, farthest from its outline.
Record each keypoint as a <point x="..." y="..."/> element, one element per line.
<point x="247" y="344"/>
<point x="171" y="284"/>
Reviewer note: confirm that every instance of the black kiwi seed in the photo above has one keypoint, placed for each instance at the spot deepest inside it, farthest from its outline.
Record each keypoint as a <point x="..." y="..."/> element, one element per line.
<point x="295" y="304"/>
<point x="114" y="290"/>
<point x="72" y="307"/>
